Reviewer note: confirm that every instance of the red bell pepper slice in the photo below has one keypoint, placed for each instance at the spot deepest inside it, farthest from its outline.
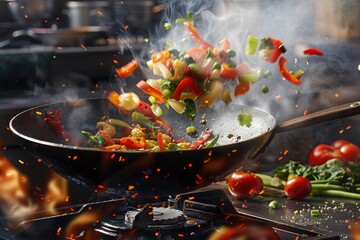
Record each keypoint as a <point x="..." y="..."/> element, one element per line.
<point x="128" y="69"/>
<point x="285" y="72"/>
<point x="270" y="49"/>
<point x="132" y="143"/>
<point x="312" y="51"/>
<point x="196" y="36"/>
<point x="186" y="83"/>
<point x="228" y="72"/>
<point x="148" y="89"/>
<point x="242" y="88"/>
<point x="54" y="119"/>
<point x="201" y="141"/>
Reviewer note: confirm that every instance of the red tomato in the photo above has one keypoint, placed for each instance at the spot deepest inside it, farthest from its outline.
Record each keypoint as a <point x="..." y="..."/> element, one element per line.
<point x="350" y="150"/>
<point x="339" y="143"/>
<point x="297" y="187"/>
<point x="322" y="152"/>
<point x="242" y="185"/>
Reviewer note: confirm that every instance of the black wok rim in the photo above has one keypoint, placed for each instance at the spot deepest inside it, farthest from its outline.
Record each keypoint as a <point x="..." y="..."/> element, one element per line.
<point x="64" y="146"/>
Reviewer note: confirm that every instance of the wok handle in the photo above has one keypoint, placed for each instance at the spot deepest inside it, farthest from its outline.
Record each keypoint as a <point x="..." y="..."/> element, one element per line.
<point x="333" y="113"/>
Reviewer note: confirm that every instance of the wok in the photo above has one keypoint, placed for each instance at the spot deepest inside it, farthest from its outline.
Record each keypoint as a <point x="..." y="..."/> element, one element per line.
<point x="155" y="173"/>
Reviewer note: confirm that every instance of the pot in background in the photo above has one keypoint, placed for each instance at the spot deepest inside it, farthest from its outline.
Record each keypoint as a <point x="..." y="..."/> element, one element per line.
<point x="88" y="13"/>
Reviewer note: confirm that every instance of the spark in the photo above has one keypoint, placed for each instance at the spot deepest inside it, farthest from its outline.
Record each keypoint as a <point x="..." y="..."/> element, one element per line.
<point x="341" y="131"/>
<point x="337" y="94"/>
<point x="190" y="165"/>
<point x="115" y="61"/>
<point x="58" y="231"/>
<point x="286" y="152"/>
<point x="39" y="160"/>
<point x="101" y="186"/>
<point x="158" y="169"/>
<point x="305" y="112"/>
<point x="83" y="46"/>
<point x="112" y="155"/>
<point x="21" y="161"/>
<point x="348" y="127"/>
<point x="75" y="158"/>
<point x="67" y="198"/>
<point x="126" y="27"/>
<point x="277" y="97"/>
<point x="38" y="113"/>
<point x="131" y="187"/>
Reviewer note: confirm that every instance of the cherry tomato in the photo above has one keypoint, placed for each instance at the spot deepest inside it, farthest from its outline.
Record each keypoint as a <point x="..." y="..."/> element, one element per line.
<point x="322" y="153"/>
<point x="339" y="143"/>
<point x="297" y="187"/>
<point x="350" y="150"/>
<point x="242" y="185"/>
<point x="246" y="231"/>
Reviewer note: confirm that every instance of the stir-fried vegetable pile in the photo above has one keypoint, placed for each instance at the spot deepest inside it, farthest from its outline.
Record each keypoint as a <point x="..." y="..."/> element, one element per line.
<point x="185" y="81"/>
<point x="205" y="73"/>
<point x="145" y="132"/>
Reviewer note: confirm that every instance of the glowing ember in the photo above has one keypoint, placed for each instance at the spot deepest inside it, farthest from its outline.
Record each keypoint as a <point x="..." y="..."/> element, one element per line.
<point x="305" y="112"/>
<point x="38" y="113"/>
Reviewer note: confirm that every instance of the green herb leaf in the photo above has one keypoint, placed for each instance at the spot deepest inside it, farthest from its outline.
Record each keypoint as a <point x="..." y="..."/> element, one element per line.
<point x="245" y="119"/>
<point x="190" y="109"/>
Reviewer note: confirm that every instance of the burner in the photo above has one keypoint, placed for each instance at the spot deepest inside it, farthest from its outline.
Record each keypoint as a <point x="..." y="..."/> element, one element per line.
<point x="194" y="215"/>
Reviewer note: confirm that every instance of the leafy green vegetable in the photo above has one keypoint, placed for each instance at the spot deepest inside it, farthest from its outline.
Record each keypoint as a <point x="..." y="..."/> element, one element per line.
<point x="333" y="170"/>
<point x="190" y="109"/>
<point x="97" y="140"/>
<point x="245" y="119"/>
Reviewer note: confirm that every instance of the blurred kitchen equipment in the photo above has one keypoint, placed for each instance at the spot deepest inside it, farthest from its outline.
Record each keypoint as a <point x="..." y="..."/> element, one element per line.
<point x="138" y="15"/>
<point x="338" y="20"/>
<point x="88" y="13"/>
<point x="33" y="13"/>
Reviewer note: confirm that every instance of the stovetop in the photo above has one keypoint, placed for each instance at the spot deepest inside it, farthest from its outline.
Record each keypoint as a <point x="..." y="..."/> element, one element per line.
<point x="194" y="215"/>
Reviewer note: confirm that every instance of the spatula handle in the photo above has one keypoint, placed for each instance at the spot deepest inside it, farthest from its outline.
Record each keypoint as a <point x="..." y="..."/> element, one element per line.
<point x="330" y="114"/>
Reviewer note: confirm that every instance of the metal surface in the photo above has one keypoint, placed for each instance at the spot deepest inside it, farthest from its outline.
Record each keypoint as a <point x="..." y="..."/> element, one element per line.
<point x="150" y="173"/>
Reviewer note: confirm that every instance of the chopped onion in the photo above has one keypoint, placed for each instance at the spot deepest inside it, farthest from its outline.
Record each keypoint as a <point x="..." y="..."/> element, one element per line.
<point x="129" y="101"/>
<point x="155" y="83"/>
<point x="178" y="106"/>
<point x="215" y="90"/>
<point x="161" y="70"/>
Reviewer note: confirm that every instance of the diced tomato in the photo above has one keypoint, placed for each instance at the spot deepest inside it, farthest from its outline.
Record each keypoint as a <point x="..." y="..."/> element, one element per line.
<point x="196" y="36"/>
<point x="186" y="83"/>
<point x="128" y="69"/>
<point x="146" y="88"/>
<point x="242" y="88"/>
<point x="285" y="72"/>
